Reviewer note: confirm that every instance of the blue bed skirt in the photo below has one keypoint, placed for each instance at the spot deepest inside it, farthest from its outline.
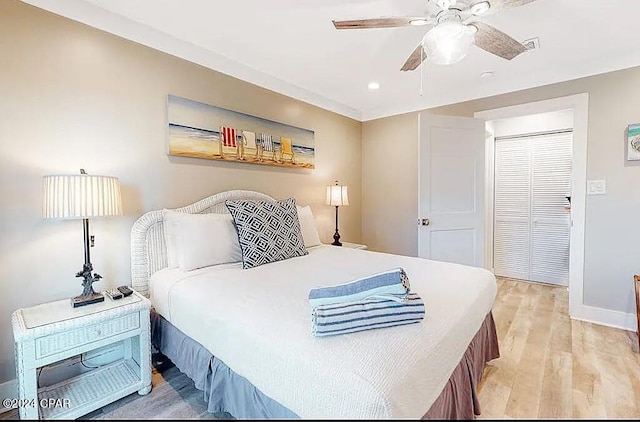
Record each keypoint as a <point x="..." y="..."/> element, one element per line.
<point x="224" y="390"/>
<point x="227" y="392"/>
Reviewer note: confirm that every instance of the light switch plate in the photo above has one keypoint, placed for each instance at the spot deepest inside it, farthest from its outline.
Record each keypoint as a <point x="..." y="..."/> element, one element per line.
<point x="596" y="187"/>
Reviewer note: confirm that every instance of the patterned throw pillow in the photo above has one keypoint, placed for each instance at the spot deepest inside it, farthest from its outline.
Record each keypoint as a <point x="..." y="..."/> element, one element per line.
<point x="268" y="231"/>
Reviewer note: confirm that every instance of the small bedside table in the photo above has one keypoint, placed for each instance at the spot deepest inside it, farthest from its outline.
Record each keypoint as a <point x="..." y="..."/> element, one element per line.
<point x="353" y="245"/>
<point x="51" y="332"/>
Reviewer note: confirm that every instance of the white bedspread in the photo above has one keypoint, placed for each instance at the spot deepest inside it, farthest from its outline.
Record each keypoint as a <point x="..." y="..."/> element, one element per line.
<point x="258" y="322"/>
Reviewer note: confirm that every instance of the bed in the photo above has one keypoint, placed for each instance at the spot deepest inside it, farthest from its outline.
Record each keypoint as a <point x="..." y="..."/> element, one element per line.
<point x="244" y="335"/>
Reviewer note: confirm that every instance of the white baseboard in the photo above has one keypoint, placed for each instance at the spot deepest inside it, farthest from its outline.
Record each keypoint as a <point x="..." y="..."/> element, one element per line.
<point x="615" y="319"/>
<point x="8" y="390"/>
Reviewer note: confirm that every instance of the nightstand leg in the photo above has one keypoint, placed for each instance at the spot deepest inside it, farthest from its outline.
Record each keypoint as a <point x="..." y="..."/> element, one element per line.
<point x="145" y="352"/>
<point x="145" y="391"/>
<point x="27" y="385"/>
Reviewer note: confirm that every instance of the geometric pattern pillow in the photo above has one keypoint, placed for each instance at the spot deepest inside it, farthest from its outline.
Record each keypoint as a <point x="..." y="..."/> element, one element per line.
<point x="268" y="231"/>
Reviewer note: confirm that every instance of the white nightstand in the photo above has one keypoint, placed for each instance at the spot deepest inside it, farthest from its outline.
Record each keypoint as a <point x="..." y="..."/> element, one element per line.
<point x="55" y="331"/>
<point x="353" y="245"/>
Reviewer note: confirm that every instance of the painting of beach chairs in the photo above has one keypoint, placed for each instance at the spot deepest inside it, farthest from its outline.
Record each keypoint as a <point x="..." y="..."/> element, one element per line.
<point x="204" y="131"/>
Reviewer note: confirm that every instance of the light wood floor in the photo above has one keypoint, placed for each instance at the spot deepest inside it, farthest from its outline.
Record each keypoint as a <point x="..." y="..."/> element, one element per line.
<point x="553" y="367"/>
<point x="550" y="367"/>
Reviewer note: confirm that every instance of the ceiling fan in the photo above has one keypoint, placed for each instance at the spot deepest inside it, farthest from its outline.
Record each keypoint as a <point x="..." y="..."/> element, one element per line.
<point x="453" y="27"/>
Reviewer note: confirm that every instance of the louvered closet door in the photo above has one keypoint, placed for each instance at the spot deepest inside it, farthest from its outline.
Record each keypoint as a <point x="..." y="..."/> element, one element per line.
<point x="550" y="221"/>
<point x="512" y="209"/>
<point x="532" y="226"/>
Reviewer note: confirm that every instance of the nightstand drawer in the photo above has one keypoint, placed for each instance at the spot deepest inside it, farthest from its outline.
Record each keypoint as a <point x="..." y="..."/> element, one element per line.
<point x="59" y="342"/>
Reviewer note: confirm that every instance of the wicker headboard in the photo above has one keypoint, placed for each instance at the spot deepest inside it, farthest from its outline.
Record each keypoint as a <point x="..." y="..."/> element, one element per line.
<point x="148" y="248"/>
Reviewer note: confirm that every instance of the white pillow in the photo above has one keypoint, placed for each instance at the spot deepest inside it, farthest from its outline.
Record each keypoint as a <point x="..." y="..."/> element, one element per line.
<point x="202" y="240"/>
<point x="170" y="237"/>
<point x="308" y="227"/>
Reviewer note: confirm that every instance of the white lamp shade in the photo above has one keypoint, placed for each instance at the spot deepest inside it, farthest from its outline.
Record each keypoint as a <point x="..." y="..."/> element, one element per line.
<point x="80" y="196"/>
<point x="337" y="195"/>
<point x="449" y="42"/>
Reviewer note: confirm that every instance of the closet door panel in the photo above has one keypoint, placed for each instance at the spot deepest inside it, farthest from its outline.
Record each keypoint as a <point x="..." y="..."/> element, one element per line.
<point x="550" y="221"/>
<point x="511" y="249"/>
<point x="512" y="209"/>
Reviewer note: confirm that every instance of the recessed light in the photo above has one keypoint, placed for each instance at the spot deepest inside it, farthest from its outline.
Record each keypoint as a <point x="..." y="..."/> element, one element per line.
<point x="373" y="86"/>
<point x="488" y="74"/>
<point x="418" y="22"/>
<point x="480" y="8"/>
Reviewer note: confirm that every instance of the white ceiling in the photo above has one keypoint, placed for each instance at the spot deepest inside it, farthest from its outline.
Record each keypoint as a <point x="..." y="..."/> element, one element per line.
<point x="291" y="46"/>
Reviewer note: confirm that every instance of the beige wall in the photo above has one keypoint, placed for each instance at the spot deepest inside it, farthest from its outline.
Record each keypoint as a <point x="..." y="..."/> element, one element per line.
<point x="74" y="97"/>
<point x="612" y="231"/>
<point x="390" y="184"/>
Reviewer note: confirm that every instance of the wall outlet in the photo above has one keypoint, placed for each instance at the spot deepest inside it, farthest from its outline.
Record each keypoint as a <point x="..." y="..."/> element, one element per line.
<point x="596" y="187"/>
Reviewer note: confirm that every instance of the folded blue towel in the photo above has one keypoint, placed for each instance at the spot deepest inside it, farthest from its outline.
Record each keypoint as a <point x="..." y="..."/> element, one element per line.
<point x="343" y="318"/>
<point x="392" y="282"/>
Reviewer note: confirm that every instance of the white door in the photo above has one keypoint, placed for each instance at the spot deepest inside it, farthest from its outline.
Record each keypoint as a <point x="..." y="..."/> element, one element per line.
<point x="512" y="211"/>
<point x="451" y="189"/>
<point x="532" y="222"/>
<point x="550" y="219"/>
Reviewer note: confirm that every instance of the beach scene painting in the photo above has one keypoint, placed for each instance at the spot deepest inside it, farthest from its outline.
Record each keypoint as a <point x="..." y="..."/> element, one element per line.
<point x="205" y="131"/>
<point x="633" y="140"/>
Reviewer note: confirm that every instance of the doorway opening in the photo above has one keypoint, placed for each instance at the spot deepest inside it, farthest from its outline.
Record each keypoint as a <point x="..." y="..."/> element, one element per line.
<point x="577" y="105"/>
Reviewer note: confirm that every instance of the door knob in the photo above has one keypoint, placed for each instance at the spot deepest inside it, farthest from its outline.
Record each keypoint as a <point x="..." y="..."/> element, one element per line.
<point x="425" y="221"/>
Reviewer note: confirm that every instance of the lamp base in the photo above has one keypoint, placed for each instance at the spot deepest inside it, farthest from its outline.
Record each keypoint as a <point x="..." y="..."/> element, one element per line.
<point x="86" y="300"/>
<point x="336" y="239"/>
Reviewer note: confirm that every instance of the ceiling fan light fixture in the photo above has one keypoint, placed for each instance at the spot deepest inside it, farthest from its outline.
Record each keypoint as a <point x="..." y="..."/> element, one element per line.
<point x="449" y="42"/>
<point x="480" y="8"/>
<point x="418" y="22"/>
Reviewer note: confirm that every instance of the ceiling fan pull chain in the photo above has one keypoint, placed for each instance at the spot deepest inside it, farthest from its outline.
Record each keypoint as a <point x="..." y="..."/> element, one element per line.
<point x="421" y="70"/>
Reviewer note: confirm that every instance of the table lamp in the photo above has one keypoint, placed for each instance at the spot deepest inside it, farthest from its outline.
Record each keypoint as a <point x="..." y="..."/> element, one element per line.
<point x="337" y="196"/>
<point x="82" y="196"/>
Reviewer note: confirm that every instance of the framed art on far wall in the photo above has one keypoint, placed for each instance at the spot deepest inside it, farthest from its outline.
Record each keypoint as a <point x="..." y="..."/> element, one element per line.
<point x="205" y="131"/>
<point x="633" y="142"/>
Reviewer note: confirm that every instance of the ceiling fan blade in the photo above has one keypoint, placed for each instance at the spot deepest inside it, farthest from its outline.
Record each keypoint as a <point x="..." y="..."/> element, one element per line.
<point x="377" y="23"/>
<point x="507" y="4"/>
<point x="497" y="42"/>
<point x="414" y="60"/>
